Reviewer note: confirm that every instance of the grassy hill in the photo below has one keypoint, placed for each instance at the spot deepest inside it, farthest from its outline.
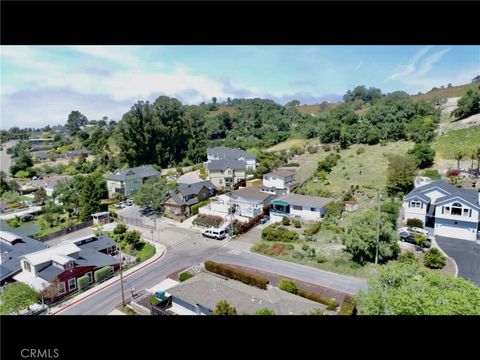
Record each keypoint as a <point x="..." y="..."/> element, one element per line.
<point x="222" y="108"/>
<point x="315" y="109"/>
<point x="464" y="140"/>
<point x="454" y="91"/>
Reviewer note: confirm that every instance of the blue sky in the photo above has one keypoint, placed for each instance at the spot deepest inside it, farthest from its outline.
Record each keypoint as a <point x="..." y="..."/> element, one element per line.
<point x="40" y="85"/>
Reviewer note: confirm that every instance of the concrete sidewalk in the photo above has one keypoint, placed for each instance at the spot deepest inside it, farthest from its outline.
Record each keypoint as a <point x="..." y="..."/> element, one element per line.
<point x="159" y="252"/>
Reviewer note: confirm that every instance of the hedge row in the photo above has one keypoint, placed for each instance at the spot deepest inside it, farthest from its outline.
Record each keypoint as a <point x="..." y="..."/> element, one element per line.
<point x="292" y="164"/>
<point x="83" y="282"/>
<point x="331" y="303"/>
<point x="194" y="208"/>
<point x="103" y="273"/>
<point x="279" y="233"/>
<point x="235" y="274"/>
<point x="349" y="306"/>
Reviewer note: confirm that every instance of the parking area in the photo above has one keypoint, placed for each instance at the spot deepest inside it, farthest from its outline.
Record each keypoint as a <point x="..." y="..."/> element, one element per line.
<point x="465" y="253"/>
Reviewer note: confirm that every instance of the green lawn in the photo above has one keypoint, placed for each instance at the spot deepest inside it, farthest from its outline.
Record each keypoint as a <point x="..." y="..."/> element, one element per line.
<point x="146" y="252"/>
<point x="464" y="140"/>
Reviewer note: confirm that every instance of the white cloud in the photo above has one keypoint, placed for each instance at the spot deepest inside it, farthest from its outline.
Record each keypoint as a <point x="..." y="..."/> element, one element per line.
<point x="403" y="70"/>
<point x="122" y="55"/>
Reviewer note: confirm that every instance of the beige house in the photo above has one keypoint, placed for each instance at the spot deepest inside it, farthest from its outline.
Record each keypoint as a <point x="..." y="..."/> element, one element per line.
<point x="226" y="172"/>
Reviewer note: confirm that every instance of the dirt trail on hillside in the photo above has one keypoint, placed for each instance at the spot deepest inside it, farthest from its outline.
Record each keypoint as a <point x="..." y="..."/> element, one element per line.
<point x="447" y="109"/>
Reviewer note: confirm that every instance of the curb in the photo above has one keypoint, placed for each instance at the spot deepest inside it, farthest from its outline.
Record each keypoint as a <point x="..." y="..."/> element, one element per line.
<point x="108" y="285"/>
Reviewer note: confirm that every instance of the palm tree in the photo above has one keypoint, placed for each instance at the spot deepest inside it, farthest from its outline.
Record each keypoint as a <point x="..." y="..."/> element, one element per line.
<point x="473" y="157"/>
<point x="458" y="157"/>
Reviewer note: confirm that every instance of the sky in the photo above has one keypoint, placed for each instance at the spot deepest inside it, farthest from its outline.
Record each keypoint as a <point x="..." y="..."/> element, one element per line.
<point x="41" y="85"/>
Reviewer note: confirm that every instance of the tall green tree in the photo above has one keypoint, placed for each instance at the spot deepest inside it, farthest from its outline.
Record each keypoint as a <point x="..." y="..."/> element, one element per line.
<point x="153" y="193"/>
<point x="75" y="121"/>
<point x="469" y="104"/>
<point x="16" y="297"/>
<point x="424" y="153"/>
<point x="405" y="289"/>
<point x="361" y="238"/>
<point x="400" y="173"/>
<point x="458" y="156"/>
<point x="197" y="140"/>
<point x="94" y="188"/>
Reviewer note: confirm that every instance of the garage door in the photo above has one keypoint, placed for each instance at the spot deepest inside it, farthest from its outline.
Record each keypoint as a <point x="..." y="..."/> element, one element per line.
<point x="456" y="231"/>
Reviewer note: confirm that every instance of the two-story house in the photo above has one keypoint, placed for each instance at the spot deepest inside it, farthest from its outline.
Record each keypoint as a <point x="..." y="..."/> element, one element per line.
<point x="452" y="212"/>
<point x="279" y="182"/>
<point x="127" y="182"/>
<point x="223" y="152"/>
<point x="180" y="201"/>
<point x="61" y="265"/>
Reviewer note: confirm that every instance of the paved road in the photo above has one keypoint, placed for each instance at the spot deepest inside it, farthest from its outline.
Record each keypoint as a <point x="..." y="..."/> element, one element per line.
<point x="30" y="210"/>
<point x="465" y="253"/>
<point x="186" y="248"/>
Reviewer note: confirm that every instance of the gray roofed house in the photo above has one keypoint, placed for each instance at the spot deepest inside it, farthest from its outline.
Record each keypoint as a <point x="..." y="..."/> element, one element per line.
<point x="12" y="248"/>
<point x="223" y="164"/>
<point x="306" y="200"/>
<point x="451" y="211"/>
<point x="206" y="290"/>
<point x="128" y="181"/>
<point x="223" y="152"/>
<point x="180" y="201"/>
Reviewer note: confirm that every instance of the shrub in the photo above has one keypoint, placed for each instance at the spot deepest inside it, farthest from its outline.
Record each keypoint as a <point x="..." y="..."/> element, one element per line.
<point x="15" y="222"/>
<point x="195" y="207"/>
<point x="288" y="285"/>
<point x="286" y="221"/>
<point x="184" y="276"/>
<point x="277" y="249"/>
<point x="415" y="223"/>
<point x="326" y="148"/>
<point x="305" y="247"/>
<point x="235" y="274"/>
<point x="120" y="229"/>
<point x="297" y="255"/>
<point x="292" y="164"/>
<point x="360" y="150"/>
<point x="153" y="300"/>
<point x="331" y="303"/>
<point x="103" y="273"/>
<point x="289" y="246"/>
<point x="265" y="311"/>
<point x="311" y="253"/>
<point x="407" y="258"/>
<point x="453" y="173"/>
<point x="312" y="149"/>
<point x="279" y="233"/>
<point x="83" y="282"/>
<point x="261" y="248"/>
<point x="297" y="224"/>
<point x="316" y="312"/>
<point x="434" y="259"/>
<point x="349" y="307"/>
<point x="313" y="229"/>
<point x="420" y="239"/>
<point x="321" y="258"/>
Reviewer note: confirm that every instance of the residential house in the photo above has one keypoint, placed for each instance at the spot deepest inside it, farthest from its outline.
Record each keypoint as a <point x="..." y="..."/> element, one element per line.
<point x="452" y="212"/>
<point x="279" y="182"/>
<point x="12" y="248"/>
<point x="128" y="181"/>
<point x="227" y="166"/>
<point x="61" y="265"/>
<point x="299" y="206"/>
<point x="200" y="295"/>
<point x="249" y="202"/>
<point x="223" y="152"/>
<point x="225" y="173"/>
<point x="180" y="201"/>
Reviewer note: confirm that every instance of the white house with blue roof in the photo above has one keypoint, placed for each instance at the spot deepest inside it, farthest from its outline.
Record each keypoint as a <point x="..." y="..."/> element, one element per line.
<point x="452" y="212"/>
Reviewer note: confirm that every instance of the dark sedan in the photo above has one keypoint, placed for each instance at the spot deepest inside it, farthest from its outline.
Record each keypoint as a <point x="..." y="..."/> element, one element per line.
<point x="408" y="237"/>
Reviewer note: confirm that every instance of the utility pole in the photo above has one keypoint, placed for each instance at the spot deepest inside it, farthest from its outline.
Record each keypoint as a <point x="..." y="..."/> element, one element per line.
<point x="378" y="229"/>
<point x="231" y="213"/>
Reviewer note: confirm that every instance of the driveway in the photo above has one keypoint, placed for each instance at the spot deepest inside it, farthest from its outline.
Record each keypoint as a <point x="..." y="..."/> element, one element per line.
<point x="465" y="253"/>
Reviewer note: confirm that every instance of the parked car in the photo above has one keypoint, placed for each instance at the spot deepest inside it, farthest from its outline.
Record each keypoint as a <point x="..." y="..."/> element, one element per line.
<point x="26" y="217"/>
<point x="120" y="205"/>
<point x="409" y="238"/>
<point x="418" y="230"/>
<point x="218" y="234"/>
<point x="129" y="202"/>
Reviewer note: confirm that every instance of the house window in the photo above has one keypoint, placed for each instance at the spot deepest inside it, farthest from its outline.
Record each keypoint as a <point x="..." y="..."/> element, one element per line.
<point x="72" y="284"/>
<point x="61" y="288"/>
<point x="27" y="266"/>
<point x="229" y="171"/>
<point x="313" y="209"/>
<point x="456" y="209"/>
<point x="90" y="277"/>
<point x="296" y="207"/>
<point x="416" y="204"/>
<point x="465" y="212"/>
<point x="220" y="181"/>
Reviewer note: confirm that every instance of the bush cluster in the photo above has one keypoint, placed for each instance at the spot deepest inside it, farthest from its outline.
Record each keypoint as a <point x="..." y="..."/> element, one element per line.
<point x="415" y="223"/>
<point x="434" y="259"/>
<point x="349" y="307"/>
<point x="279" y="233"/>
<point x="235" y="274"/>
<point x="331" y="303"/>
